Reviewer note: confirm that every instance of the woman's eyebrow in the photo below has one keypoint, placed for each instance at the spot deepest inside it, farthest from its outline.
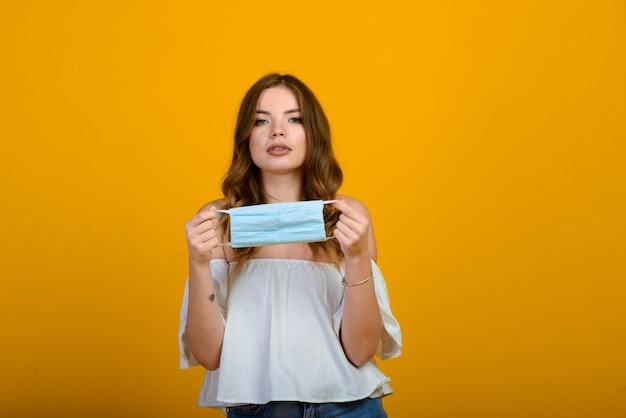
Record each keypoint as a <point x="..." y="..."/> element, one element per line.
<point x="265" y="112"/>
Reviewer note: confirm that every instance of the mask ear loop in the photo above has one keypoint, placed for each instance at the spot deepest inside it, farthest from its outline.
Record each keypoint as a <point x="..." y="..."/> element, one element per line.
<point x="226" y="211"/>
<point x="326" y="202"/>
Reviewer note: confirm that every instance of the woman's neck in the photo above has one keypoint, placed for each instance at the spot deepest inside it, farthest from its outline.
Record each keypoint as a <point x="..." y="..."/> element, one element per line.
<point x="282" y="188"/>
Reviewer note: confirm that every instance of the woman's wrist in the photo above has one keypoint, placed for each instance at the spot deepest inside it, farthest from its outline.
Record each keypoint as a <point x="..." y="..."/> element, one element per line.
<point x="200" y="277"/>
<point x="201" y="265"/>
<point x="358" y="270"/>
<point x="354" y="284"/>
<point x="358" y="261"/>
<point x="210" y="296"/>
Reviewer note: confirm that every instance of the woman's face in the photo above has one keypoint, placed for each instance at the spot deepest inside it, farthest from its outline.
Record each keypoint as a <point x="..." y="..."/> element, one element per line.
<point x="278" y="141"/>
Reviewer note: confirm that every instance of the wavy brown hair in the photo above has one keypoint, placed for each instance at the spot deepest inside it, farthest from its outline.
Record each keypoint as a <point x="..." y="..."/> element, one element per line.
<point x="322" y="175"/>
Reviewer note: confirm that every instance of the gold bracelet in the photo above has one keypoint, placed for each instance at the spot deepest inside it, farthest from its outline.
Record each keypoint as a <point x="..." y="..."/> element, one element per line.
<point x="343" y="281"/>
<point x="211" y="296"/>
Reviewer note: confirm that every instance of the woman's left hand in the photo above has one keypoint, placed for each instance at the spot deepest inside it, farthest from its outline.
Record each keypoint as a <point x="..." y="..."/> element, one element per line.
<point x="352" y="231"/>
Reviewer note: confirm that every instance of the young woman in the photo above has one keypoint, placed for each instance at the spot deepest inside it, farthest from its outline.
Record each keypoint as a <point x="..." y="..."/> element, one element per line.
<point x="288" y="329"/>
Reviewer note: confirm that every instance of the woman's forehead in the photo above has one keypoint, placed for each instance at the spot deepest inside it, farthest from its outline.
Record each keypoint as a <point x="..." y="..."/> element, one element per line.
<point x="280" y="96"/>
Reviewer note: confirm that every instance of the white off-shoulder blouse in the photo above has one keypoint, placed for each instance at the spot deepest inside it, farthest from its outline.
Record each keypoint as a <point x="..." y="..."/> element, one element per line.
<point x="281" y="338"/>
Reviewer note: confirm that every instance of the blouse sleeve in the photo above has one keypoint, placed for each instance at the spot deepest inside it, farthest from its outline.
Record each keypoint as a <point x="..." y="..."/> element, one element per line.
<point x="220" y="273"/>
<point x="391" y="339"/>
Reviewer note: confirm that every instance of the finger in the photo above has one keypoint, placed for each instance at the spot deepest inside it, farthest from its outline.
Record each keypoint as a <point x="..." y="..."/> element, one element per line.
<point x="348" y="243"/>
<point x="355" y="228"/>
<point x="348" y="234"/>
<point x="204" y="244"/>
<point x="195" y="233"/>
<point x="202" y="240"/>
<point x="206" y="236"/>
<point x="349" y="212"/>
<point x="342" y="205"/>
<point x="204" y="220"/>
<point x="341" y="238"/>
<point x="207" y="215"/>
<point x="200" y="245"/>
<point x="355" y="224"/>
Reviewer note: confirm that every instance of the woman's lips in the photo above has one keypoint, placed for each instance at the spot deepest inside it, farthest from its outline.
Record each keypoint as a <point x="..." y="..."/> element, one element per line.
<point x="278" y="149"/>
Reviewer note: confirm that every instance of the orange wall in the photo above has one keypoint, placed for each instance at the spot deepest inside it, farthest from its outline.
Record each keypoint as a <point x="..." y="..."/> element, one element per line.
<point x="486" y="137"/>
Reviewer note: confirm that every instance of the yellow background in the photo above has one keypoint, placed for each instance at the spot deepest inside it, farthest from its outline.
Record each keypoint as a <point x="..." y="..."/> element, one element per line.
<point x="486" y="137"/>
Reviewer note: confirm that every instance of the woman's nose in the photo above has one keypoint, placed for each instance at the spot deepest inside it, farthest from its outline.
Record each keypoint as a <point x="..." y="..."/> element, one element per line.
<point x="278" y="130"/>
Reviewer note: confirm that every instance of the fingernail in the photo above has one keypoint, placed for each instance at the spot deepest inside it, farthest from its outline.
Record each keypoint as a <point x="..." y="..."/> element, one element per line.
<point x="219" y="215"/>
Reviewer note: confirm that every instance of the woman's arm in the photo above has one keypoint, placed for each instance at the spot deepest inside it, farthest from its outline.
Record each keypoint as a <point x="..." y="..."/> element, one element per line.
<point x="361" y="325"/>
<point x="205" y="326"/>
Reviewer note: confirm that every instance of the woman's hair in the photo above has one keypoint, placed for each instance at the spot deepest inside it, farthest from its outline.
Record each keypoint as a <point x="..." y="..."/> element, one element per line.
<point x="322" y="175"/>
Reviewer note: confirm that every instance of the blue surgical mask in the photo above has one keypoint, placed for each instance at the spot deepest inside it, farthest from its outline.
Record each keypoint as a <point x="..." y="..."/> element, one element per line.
<point x="277" y="223"/>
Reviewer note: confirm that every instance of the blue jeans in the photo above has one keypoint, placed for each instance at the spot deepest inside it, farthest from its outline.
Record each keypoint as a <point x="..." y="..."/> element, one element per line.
<point x="365" y="408"/>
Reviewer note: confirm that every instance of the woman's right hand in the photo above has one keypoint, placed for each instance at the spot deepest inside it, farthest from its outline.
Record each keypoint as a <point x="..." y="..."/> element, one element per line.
<point x="202" y="235"/>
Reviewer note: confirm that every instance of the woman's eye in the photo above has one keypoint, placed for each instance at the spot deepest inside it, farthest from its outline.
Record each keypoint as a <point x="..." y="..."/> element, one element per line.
<point x="295" y="120"/>
<point x="260" y="122"/>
